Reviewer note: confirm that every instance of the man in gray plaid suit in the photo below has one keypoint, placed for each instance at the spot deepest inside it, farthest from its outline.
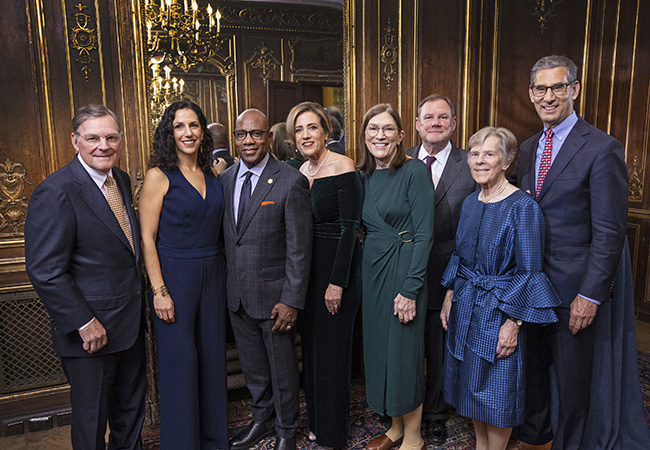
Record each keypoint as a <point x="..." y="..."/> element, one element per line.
<point x="267" y="232"/>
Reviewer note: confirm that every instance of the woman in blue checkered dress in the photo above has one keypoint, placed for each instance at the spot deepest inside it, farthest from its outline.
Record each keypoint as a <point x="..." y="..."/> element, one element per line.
<point x="496" y="285"/>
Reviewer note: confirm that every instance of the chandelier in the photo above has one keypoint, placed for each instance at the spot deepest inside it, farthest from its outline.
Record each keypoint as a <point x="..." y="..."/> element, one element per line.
<point x="181" y="34"/>
<point x="164" y="91"/>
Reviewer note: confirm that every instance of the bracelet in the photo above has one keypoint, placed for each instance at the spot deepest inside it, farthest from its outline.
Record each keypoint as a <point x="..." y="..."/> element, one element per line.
<point x="337" y="289"/>
<point x="163" y="290"/>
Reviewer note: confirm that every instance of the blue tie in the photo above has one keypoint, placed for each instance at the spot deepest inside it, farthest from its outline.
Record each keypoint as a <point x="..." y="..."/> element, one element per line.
<point x="244" y="197"/>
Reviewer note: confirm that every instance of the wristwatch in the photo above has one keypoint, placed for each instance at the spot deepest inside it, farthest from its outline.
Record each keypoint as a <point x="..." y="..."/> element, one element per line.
<point x="519" y="322"/>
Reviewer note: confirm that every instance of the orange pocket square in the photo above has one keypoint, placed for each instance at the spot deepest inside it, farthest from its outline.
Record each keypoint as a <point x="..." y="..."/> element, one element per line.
<point x="267" y="203"/>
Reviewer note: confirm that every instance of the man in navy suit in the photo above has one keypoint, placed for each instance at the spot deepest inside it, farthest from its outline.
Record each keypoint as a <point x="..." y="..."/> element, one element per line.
<point x="436" y="121"/>
<point x="578" y="175"/>
<point x="83" y="258"/>
<point x="267" y="229"/>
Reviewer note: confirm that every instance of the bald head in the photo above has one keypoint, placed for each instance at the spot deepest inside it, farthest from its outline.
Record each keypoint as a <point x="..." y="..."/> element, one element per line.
<point x="219" y="135"/>
<point x="252" y="151"/>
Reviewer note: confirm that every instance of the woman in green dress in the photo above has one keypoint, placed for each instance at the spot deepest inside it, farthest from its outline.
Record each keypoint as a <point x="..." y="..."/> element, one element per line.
<point x="398" y="217"/>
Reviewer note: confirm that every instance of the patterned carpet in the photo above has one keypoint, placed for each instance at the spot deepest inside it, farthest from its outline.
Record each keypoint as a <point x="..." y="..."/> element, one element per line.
<point x="364" y="424"/>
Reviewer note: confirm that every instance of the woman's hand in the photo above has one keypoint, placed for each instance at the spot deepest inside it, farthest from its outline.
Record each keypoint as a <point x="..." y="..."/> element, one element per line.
<point x="218" y="166"/>
<point x="507" y="339"/>
<point x="446" y="307"/>
<point x="164" y="307"/>
<point x="404" y="309"/>
<point x="333" y="296"/>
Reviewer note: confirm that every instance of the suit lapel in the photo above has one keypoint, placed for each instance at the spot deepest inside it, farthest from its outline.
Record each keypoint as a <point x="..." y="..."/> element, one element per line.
<point x="574" y="142"/>
<point x="90" y="193"/>
<point x="263" y="187"/>
<point x="449" y="173"/>
<point x="229" y="178"/>
<point x="130" y="212"/>
<point x="527" y="165"/>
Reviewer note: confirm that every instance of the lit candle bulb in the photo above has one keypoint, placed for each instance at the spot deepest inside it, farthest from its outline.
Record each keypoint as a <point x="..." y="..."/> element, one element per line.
<point x="154" y="69"/>
<point x="197" y="29"/>
<point x="182" y="85"/>
<point x="210" y="17"/>
<point x="218" y="21"/>
<point x="185" y="5"/>
<point x="167" y="70"/>
<point x="148" y="31"/>
<point x="194" y="8"/>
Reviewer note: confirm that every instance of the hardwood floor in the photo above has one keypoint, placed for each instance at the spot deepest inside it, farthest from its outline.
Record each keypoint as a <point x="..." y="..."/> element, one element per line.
<point x="59" y="437"/>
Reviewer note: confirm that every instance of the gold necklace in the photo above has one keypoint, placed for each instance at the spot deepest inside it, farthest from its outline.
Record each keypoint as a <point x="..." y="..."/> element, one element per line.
<point x="496" y="194"/>
<point x="319" y="166"/>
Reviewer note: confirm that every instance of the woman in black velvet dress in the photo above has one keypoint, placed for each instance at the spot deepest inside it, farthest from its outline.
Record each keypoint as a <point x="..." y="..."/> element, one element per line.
<point x="333" y="297"/>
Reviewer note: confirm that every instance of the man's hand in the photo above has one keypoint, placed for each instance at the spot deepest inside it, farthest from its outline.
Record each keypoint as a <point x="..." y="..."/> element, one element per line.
<point x="582" y="314"/>
<point x="507" y="339"/>
<point x="404" y="309"/>
<point x="94" y="336"/>
<point x="446" y="307"/>
<point x="286" y="317"/>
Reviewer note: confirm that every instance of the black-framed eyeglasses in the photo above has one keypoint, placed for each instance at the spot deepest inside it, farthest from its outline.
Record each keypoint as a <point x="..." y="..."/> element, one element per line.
<point x="240" y="135"/>
<point x="558" y="89"/>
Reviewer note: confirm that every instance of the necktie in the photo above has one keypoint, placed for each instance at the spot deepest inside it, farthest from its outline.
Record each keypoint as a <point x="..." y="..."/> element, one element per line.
<point x="545" y="163"/>
<point x="117" y="206"/>
<point x="244" y="197"/>
<point x="429" y="160"/>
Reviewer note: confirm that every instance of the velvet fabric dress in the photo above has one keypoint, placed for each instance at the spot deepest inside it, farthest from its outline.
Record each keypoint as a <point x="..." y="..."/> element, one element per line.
<point x="398" y="217"/>
<point x="326" y="337"/>
<point x="495" y="272"/>
<point x="192" y="350"/>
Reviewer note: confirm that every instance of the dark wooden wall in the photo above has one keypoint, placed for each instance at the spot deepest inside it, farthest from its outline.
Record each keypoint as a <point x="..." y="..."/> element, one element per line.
<point x="57" y="55"/>
<point x="479" y="53"/>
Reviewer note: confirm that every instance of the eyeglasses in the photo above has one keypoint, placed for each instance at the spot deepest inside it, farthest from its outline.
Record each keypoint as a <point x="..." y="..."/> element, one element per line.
<point x="94" y="140"/>
<point x="240" y="135"/>
<point x="389" y="130"/>
<point x="558" y="89"/>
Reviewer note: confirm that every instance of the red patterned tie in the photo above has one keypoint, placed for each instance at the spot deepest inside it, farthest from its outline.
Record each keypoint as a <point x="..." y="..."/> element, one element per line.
<point x="545" y="163"/>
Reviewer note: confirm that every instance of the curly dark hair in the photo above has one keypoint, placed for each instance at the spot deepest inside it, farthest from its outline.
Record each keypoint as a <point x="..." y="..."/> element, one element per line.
<point x="163" y="155"/>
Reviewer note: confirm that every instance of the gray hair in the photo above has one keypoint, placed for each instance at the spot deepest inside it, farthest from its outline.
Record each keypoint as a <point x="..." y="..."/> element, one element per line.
<point x="91" y="111"/>
<point x="434" y="97"/>
<point x="507" y="141"/>
<point x="551" y="62"/>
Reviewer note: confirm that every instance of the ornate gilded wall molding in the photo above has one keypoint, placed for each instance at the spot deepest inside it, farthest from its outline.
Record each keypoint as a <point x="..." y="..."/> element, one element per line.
<point x="635" y="191"/>
<point x="13" y="205"/>
<point x="83" y="38"/>
<point x="264" y="59"/>
<point x="278" y="19"/>
<point x="543" y="11"/>
<point x="389" y="54"/>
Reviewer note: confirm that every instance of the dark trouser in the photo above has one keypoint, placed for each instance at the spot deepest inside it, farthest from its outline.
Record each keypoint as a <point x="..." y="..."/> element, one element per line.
<point x="434" y="407"/>
<point x="270" y="366"/>
<point x="572" y="358"/>
<point x="108" y="387"/>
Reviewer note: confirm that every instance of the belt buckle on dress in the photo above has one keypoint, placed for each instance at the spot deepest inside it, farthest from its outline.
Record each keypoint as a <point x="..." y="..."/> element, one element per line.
<point x="401" y="235"/>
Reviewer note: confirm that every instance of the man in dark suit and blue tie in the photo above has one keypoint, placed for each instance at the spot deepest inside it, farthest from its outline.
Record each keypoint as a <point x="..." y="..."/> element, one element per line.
<point x="82" y="253"/>
<point x="578" y="175"/>
<point x="267" y="232"/>
<point x="435" y="122"/>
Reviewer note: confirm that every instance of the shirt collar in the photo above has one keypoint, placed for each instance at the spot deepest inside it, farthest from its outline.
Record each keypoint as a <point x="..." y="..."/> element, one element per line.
<point x="98" y="177"/>
<point x="441" y="156"/>
<point x="257" y="170"/>
<point x="562" y="130"/>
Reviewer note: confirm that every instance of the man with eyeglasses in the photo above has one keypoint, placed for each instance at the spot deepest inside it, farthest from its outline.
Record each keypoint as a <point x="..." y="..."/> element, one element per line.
<point x="578" y="175"/>
<point x="267" y="232"/>
<point x="82" y="255"/>
<point x="435" y="122"/>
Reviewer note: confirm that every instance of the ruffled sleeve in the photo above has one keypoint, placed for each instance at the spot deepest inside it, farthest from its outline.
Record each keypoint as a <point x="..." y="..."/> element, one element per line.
<point x="530" y="296"/>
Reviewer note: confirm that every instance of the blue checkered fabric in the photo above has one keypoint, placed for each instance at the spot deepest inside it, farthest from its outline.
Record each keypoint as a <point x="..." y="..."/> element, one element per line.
<point x="496" y="272"/>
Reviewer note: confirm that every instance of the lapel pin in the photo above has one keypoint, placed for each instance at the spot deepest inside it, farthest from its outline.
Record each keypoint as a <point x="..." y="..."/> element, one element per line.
<point x="270" y="181"/>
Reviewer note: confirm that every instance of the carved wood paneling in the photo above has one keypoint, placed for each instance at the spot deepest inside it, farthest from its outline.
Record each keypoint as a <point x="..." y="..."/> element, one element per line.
<point x="479" y="53"/>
